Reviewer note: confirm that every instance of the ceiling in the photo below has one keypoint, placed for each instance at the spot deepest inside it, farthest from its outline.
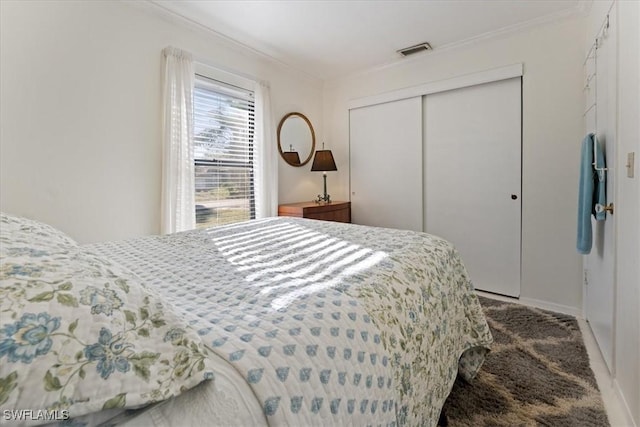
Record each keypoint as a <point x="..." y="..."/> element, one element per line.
<point x="333" y="38"/>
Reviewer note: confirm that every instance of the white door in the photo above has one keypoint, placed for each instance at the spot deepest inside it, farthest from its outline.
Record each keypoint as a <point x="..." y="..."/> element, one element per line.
<point x="385" y="161"/>
<point x="472" y="181"/>
<point x="599" y="264"/>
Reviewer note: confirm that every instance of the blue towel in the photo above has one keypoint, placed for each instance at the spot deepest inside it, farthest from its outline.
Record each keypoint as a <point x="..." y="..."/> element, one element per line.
<point x="592" y="191"/>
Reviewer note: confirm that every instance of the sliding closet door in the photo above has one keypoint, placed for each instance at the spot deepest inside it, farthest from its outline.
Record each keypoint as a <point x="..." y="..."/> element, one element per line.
<point x="385" y="162"/>
<point x="472" y="158"/>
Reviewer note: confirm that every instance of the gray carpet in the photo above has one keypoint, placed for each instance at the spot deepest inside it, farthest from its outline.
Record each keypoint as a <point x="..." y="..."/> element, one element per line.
<point x="537" y="374"/>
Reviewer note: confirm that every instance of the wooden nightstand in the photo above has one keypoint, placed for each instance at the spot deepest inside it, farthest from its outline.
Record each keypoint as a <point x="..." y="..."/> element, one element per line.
<point x="334" y="211"/>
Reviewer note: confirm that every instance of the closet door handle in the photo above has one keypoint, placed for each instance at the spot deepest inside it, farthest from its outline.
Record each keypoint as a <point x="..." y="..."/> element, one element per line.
<point x="514" y="197"/>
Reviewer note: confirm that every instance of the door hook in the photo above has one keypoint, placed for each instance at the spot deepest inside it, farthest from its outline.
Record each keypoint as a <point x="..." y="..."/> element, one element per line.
<point x="607" y="208"/>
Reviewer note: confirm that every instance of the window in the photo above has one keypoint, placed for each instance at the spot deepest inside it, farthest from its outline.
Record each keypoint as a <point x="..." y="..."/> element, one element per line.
<point x="223" y="144"/>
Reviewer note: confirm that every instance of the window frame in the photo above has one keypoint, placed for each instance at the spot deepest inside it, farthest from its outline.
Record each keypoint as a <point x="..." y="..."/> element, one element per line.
<point x="212" y="83"/>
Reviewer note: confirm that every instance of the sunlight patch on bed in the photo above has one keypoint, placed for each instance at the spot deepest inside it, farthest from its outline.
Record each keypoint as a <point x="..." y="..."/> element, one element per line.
<point x="276" y="246"/>
<point x="237" y="244"/>
<point x="286" y="299"/>
<point x="288" y="261"/>
<point x="317" y="251"/>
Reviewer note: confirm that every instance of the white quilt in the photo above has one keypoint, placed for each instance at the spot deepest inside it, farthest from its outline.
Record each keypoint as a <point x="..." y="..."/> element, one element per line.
<point x="328" y="323"/>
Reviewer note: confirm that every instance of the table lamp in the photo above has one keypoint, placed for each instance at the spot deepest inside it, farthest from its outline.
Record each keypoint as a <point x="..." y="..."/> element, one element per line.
<point x="323" y="162"/>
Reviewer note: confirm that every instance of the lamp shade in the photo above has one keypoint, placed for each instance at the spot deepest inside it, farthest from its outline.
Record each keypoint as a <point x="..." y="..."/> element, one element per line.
<point x="323" y="161"/>
<point x="291" y="157"/>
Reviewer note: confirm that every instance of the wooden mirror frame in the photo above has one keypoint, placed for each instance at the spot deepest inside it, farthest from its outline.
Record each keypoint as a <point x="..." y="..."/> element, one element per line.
<point x="313" y="139"/>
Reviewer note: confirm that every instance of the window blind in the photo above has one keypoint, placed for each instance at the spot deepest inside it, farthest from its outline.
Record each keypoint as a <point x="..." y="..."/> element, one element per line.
<point x="223" y="152"/>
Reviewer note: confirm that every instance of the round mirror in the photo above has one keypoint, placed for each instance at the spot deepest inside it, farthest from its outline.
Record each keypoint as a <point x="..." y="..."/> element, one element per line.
<point x="296" y="139"/>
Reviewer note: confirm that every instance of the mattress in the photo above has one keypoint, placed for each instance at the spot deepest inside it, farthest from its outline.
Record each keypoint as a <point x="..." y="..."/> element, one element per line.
<point x="314" y="322"/>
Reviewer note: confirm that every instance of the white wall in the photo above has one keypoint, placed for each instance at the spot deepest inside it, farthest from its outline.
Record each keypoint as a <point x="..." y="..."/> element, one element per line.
<point x="80" y="112"/>
<point x="552" y="130"/>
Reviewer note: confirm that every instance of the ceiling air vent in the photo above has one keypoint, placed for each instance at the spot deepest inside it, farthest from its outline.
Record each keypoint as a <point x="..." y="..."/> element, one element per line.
<point x="422" y="47"/>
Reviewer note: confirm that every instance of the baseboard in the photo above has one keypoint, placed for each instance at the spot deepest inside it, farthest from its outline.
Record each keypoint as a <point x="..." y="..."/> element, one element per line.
<point x="558" y="308"/>
<point x="624" y="404"/>
<point x="544" y="305"/>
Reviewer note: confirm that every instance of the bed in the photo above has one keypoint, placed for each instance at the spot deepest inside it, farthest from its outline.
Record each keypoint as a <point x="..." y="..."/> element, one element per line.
<point x="281" y="321"/>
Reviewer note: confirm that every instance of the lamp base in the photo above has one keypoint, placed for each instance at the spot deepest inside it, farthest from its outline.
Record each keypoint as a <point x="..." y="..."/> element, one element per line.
<point x="323" y="199"/>
<point x="326" y="198"/>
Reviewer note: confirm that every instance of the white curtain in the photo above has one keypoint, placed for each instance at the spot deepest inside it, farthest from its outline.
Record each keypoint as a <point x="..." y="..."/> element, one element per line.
<point x="178" y="200"/>
<point x="266" y="166"/>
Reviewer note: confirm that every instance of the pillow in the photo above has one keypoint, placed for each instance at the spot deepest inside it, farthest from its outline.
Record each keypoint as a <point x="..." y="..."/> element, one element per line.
<point x="80" y="334"/>
<point x="27" y="232"/>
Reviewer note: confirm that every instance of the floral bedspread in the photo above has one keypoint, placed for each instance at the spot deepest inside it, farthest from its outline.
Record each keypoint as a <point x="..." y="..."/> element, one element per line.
<point x="79" y="335"/>
<point x="329" y="323"/>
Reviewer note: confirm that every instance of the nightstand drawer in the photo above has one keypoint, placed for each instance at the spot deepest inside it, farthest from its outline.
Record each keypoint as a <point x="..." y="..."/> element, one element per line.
<point x="334" y="211"/>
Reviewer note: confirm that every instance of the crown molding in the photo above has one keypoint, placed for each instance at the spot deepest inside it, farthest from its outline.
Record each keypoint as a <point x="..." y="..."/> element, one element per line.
<point x="577" y="10"/>
<point x="156" y="7"/>
<point x="582" y="8"/>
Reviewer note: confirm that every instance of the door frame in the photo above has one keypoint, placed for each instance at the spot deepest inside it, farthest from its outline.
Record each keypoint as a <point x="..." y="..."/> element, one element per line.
<point x="487" y="76"/>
